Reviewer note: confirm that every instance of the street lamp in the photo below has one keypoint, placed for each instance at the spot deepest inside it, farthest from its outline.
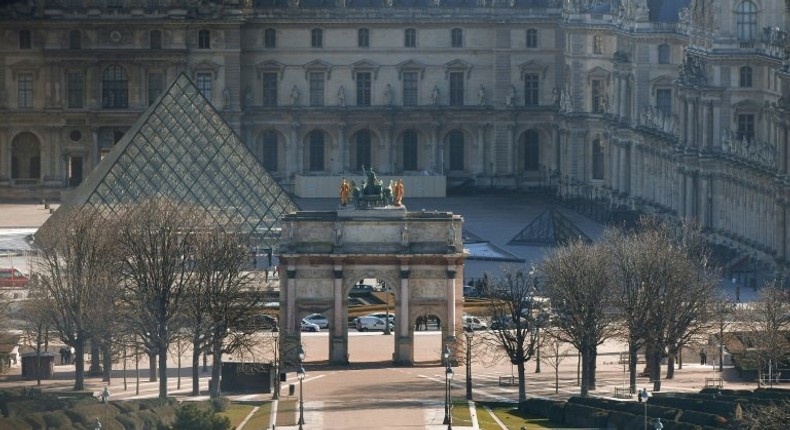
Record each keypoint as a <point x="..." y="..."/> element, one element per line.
<point x="538" y="318"/>
<point x="448" y="374"/>
<point x="387" y="314"/>
<point x="643" y="396"/>
<point x="448" y="377"/>
<point x="469" y="335"/>
<point x="300" y="377"/>
<point x="276" y="388"/>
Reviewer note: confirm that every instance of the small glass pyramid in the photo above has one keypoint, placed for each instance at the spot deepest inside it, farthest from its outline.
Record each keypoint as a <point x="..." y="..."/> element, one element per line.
<point x="183" y="150"/>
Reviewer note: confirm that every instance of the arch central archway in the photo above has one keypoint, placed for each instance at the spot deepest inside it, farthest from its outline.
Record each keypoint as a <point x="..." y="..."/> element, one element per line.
<point x="418" y="255"/>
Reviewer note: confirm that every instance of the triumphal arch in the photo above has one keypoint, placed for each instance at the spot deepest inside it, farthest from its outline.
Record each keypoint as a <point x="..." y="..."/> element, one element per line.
<point x="418" y="255"/>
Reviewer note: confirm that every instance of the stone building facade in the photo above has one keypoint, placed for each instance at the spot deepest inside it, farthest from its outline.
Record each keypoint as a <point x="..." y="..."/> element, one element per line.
<point x="676" y="106"/>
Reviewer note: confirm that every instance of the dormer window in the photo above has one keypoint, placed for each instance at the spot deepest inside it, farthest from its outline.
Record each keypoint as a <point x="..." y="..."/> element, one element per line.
<point x="746" y="21"/>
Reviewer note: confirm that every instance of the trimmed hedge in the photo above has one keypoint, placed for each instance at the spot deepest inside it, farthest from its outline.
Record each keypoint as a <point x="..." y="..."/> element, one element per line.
<point x="554" y="410"/>
<point x="585" y="416"/>
<point x="633" y="408"/>
<point x="730" y="410"/>
<point x="702" y="418"/>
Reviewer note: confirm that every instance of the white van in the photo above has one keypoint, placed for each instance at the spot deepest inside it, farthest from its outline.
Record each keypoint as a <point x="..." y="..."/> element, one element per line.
<point x="370" y="324"/>
<point x="474" y="323"/>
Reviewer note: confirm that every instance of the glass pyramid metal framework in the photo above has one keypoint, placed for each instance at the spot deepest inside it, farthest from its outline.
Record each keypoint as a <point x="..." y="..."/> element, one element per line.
<point x="550" y="228"/>
<point x="183" y="150"/>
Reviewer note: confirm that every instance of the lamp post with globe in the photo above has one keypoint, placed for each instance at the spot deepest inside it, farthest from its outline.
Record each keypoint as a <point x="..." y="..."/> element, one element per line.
<point x="300" y="375"/>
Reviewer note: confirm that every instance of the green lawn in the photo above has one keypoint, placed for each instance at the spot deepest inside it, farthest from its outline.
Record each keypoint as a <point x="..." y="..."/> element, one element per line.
<point x="509" y="415"/>
<point x="237" y="412"/>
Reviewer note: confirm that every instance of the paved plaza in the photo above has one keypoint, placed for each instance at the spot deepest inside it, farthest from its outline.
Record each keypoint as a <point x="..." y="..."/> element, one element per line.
<point x="370" y="392"/>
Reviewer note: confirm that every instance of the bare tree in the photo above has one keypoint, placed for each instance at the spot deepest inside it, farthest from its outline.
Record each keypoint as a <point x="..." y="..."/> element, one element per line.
<point x="156" y="238"/>
<point x="36" y="321"/>
<point x="767" y="323"/>
<point x="514" y="322"/>
<point x="558" y="351"/>
<point x="220" y="259"/>
<point x="75" y="252"/>
<point x="773" y="416"/>
<point x="579" y="287"/>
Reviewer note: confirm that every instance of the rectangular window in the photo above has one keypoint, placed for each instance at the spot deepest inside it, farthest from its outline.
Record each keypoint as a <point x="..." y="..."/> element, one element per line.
<point x="457" y="88"/>
<point x="156" y="86"/>
<point x="664" y="100"/>
<point x="316" y="88"/>
<point x="410" y="89"/>
<point x="531" y="89"/>
<point x="204" y="39"/>
<point x="745" y="77"/>
<point x="269" y="88"/>
<point x="75" y="89"/>
<point x="532" y="38"/>
<point x="156" y="39"/>
<point x="663" y="54"/>
<point x="596" y="96"/>
<point x="363" y="38"/>
<point x="204" y="85"/>
<point x="746" y="126"/>
<point x="25" y="39"/>
<point x="317" y="38"/>
<point x="25" y="90"/>
<point x="269" y="38"/>
<point x="457" y="38"/>
<point x="363" y="88"/>
<point x="410" y="38"/>
<point x="598" y="44"/>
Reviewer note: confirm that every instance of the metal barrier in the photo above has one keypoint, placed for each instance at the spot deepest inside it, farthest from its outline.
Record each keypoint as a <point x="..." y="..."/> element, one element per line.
<point x="508" y="380"/>
<point x="622" y="393"/>
<point x="714" y="383"/>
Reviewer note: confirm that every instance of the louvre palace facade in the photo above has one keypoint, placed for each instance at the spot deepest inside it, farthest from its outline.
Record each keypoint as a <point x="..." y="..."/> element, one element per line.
<point x="672" y="106"/>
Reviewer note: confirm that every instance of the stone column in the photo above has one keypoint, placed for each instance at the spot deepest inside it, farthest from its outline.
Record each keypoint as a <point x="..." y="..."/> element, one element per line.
<point x="290" y="317"/>
<point x="435" y="159"/>
<point x="404" y="301"/>
<point x="385" y="145"/>
<point x="448" y="331"/>
<point x="295" y="153"/>
<point x="338" y="347"/>
<point x="511" y="148"/>
<point x="404" y="343"/>
<point x="343" y="146"/>
<point x="480" y="167"/>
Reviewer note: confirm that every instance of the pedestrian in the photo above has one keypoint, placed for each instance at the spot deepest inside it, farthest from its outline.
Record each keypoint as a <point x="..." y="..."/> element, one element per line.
<point x="266" y="275"/>
<point x="704" y="357"/>
<point x="737" y="293"/>
<point x="63" y="355"/>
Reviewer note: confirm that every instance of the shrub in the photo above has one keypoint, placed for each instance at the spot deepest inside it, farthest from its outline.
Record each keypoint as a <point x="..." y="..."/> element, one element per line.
<point x="14" y="423"/>
<point x="36" y="421"/>
<point x="220" y="404"/>
<point x="701" y="418"/>
<point x="56" y="419"/>
<point x="190" y="417"/>
<point x="130" y="421"/>
<point x="585" y="416"/>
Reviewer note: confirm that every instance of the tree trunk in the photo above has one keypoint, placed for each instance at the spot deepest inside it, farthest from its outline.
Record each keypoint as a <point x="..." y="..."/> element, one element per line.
<point x="585" y="385"/>
<point x="671" y="363"/>
<point x="162" y="372"/>
<point x="79" y="365"/>
<point x="557" y="379"/>
<point x="593" y="366"/>
<point x="95" y="368"/>
<point x="152" y="373"/>
<point x="654" y="369"/>
<point x="632" y="362"/>
<point x="107" y="361"/>
<point x="216" y="368"/>
<point x="196" y="367"/>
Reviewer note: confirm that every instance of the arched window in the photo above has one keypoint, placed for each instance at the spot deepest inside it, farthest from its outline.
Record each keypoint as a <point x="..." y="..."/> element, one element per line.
<point x="663" y="54"/>
<point x="269" y="144"/>
<point x="362" y="152"/>
<point x="25" y="39"/>
<point x="114" y="87"/>
<point x="316" y="151"/>
<point x="457" y="38"/>
<point x="363" y="38"/>
<point x="746" y="21"/>
<point x="456" y="149"/>
<point x="410" y="38"/>
<point x="204" y="39"/>
<point x="75" y="39"/>
<point x="745" y="77"/>
<point x="532" y="38"/>
<point x="531" y="150"/>
<point x="270" y="38"/>
<point x="597" y="159"/>
<point x="156" y="39"/>
<point x="410" y="149"/>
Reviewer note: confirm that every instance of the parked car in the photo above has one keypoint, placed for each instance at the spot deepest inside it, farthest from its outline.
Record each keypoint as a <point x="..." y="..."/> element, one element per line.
<point x="308" y="326"/>
<point x="383" y="315"/>
<point x="371" y="324"/>
<point x="474" y="323"/>
<point x="12" y="278"/>
<point x="320" y="320"/>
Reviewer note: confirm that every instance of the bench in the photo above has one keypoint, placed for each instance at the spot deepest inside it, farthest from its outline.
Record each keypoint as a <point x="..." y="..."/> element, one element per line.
<point x="622" y="393"/>
<point x="714" y="383"/>
<point x="506" y="381"/>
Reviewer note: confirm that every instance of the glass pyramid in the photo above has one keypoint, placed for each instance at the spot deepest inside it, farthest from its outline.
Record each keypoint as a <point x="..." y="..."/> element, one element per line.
<point x="183" y="150"/>
<point x="549" y="228"/>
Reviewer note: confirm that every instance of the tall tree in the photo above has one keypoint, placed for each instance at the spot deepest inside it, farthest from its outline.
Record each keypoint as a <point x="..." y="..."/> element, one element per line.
<point x="156" y="238"/>
<point x="515" y="319"/>
<point x="579" y="287"/>
<point x="767" y="323"/>
<point x="220" y="260"/>
<point x="75" y="253"/>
